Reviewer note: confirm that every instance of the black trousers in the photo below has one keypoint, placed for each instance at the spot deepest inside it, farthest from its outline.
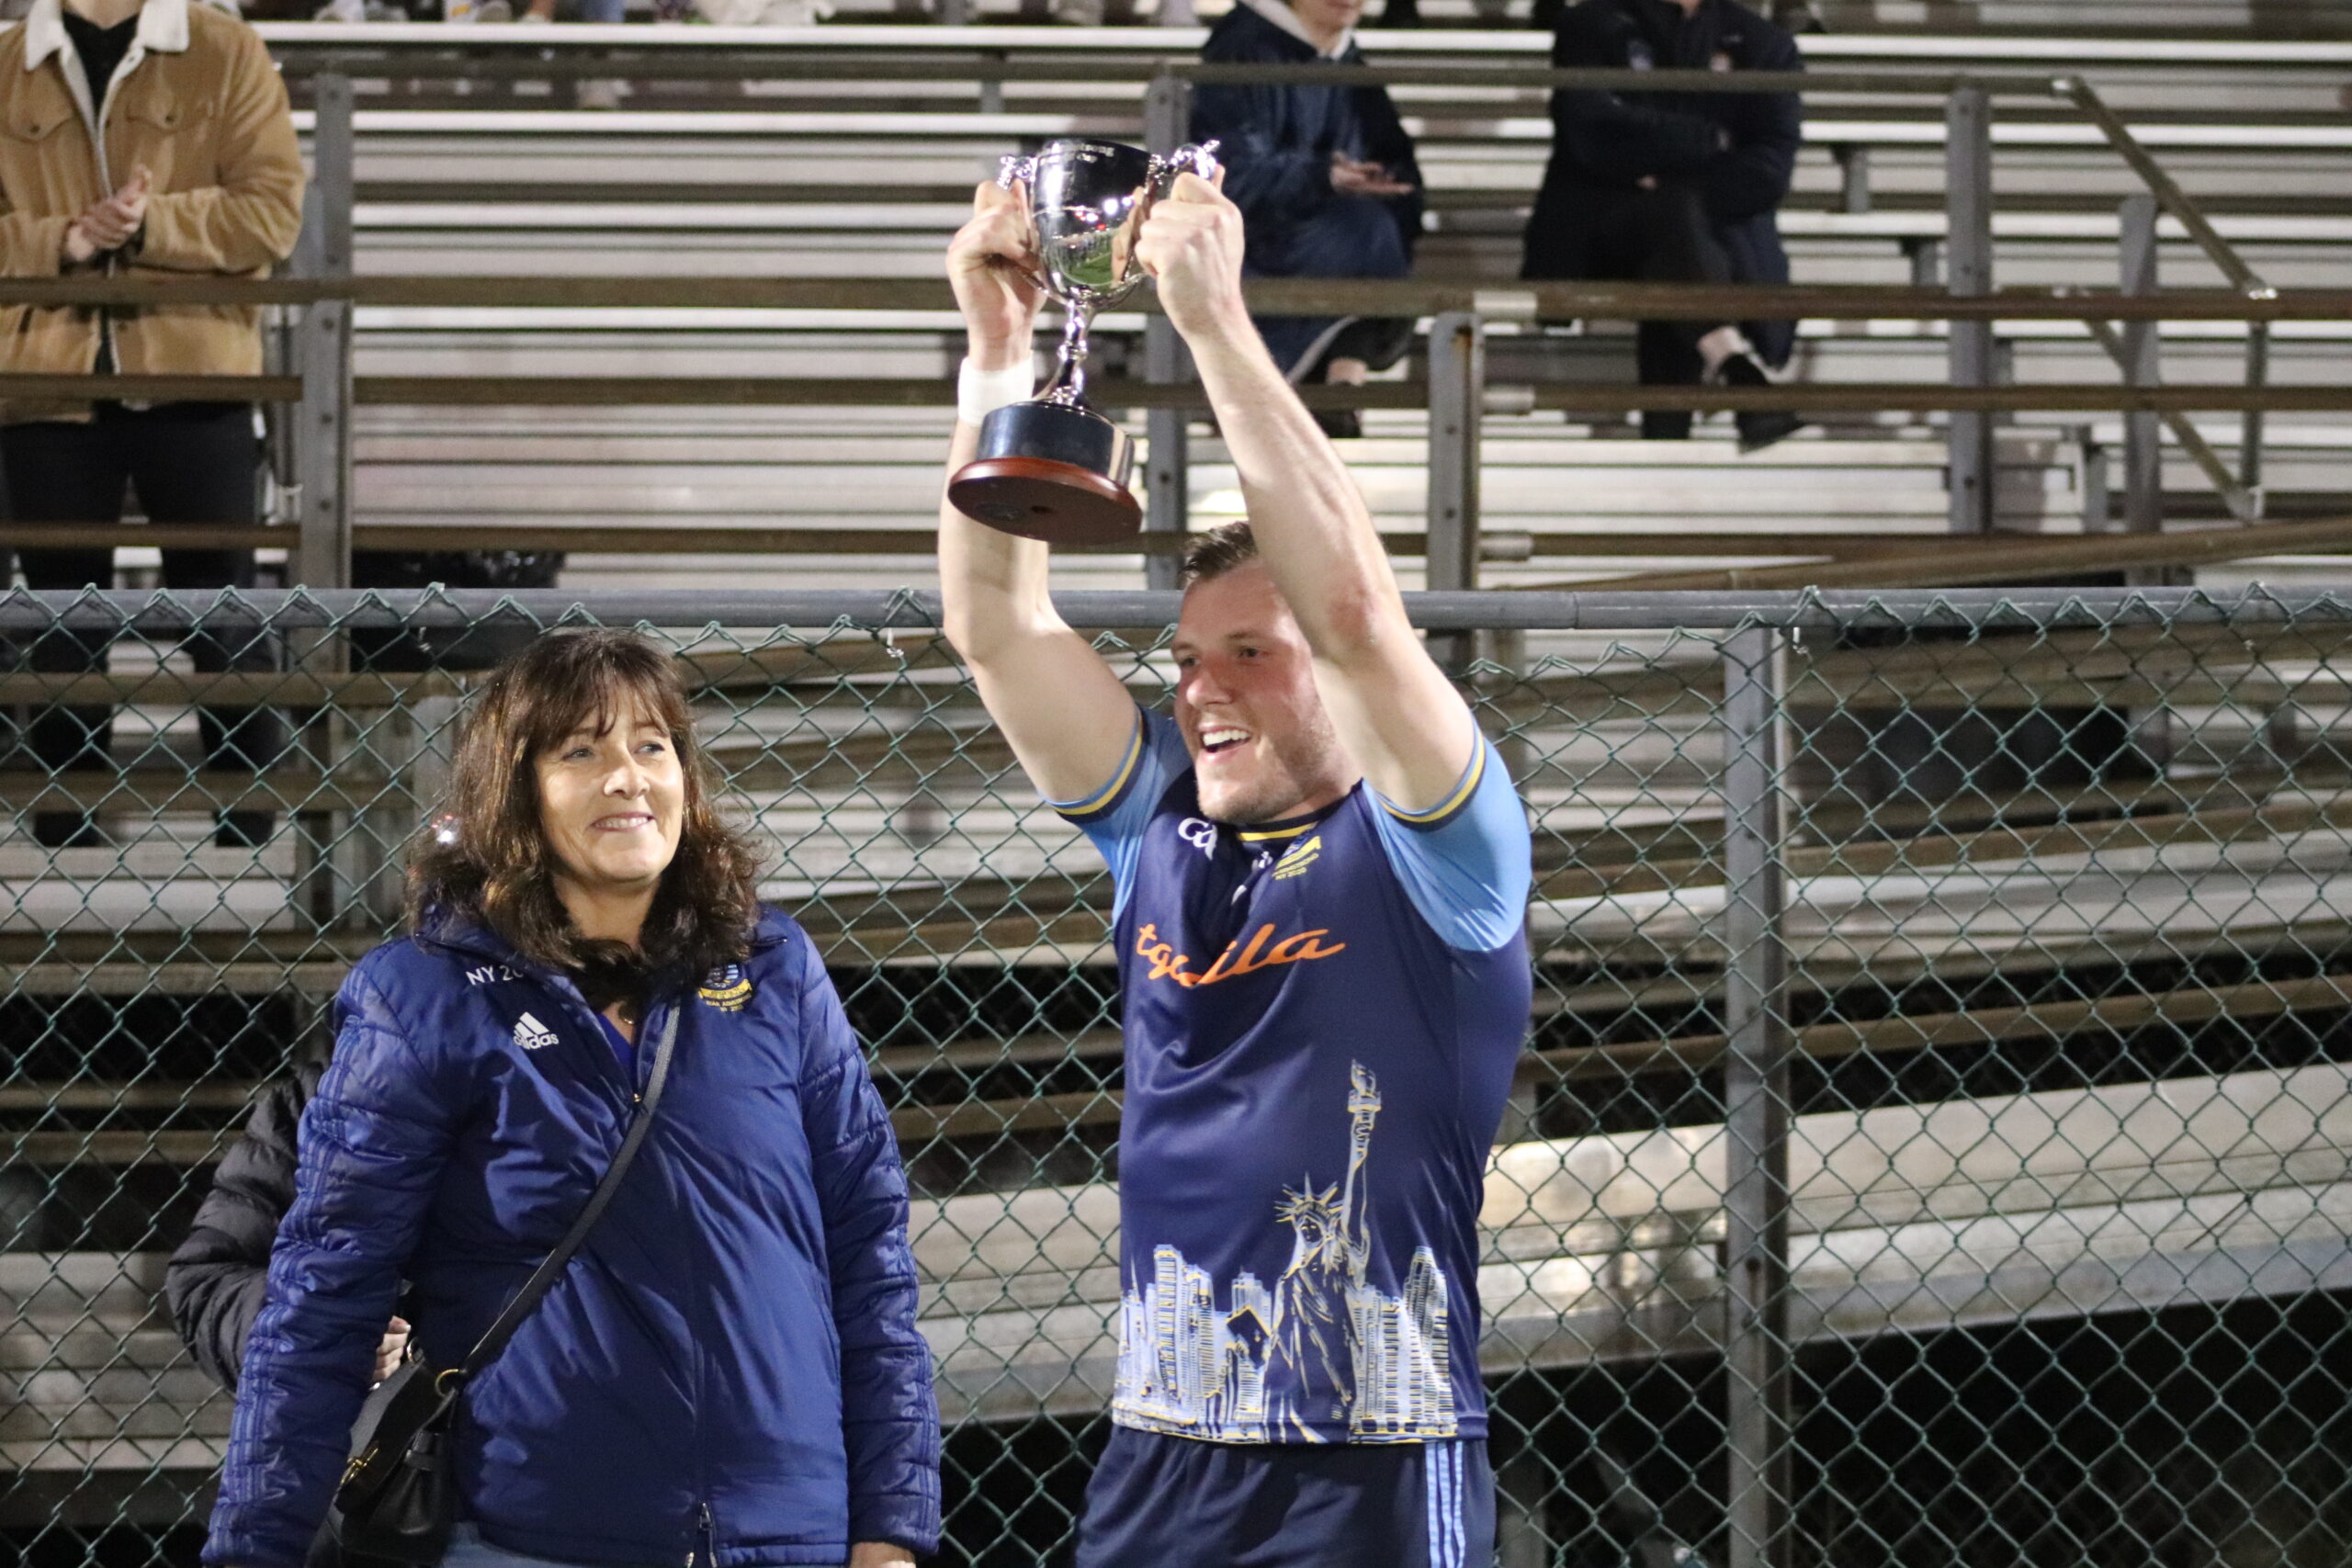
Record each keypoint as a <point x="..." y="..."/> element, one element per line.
<point x="1645" y="236"/>
<point x="187" y="463"/>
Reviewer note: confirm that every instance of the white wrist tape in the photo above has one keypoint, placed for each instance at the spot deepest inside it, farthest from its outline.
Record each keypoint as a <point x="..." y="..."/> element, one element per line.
<point x="980" y="393"/>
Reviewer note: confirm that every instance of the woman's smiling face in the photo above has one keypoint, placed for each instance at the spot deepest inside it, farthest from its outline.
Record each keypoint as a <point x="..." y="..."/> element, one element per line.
<point x="612" y="800"/>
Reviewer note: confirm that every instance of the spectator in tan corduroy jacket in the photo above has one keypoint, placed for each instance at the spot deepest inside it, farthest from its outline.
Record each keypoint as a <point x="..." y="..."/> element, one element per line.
<point x="149" y="142"/>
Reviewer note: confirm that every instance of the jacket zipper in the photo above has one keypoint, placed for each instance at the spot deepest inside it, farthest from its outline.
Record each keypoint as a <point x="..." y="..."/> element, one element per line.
<point x="97" y="129"/>
<point x="706" y="1554"/>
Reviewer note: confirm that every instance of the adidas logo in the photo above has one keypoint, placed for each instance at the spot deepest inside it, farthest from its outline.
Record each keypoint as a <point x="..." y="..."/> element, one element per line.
<point x="530" y="1034"/>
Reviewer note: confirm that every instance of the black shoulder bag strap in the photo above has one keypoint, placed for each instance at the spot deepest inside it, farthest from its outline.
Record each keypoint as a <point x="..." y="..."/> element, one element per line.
<point x="536" y="1288"/>
<point x="398" y="1499"/>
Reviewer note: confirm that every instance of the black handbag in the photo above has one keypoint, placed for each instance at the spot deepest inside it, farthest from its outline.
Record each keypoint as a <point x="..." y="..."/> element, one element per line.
<point x="398" y="1498"/>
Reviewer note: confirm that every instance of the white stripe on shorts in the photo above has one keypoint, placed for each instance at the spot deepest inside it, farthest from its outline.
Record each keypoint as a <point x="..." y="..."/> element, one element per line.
<point x="1441" y="1503"/>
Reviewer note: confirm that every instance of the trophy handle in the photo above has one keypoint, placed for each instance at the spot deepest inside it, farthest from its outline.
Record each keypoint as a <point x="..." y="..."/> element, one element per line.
<point x="1016" y="171"/>
<point x="1192" y="158"/>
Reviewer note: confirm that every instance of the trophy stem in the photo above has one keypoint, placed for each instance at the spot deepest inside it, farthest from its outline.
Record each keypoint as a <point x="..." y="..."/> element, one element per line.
<point x="1069" y="384"/>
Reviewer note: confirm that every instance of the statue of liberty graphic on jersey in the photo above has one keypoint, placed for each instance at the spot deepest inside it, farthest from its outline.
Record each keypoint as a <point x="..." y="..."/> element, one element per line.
<point x="1322" y="1345"/>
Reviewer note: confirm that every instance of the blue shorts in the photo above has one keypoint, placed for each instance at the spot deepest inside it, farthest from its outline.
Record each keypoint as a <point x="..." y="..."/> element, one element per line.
<point x="1161" y="1502"/>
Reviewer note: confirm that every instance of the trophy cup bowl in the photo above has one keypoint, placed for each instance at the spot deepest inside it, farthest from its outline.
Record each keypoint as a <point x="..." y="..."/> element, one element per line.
<point x="1052" y="469"/>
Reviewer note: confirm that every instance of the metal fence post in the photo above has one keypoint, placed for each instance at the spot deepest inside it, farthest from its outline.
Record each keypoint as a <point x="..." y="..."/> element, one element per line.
<point x="336" y="867"/>
<point x="1167" y="117"/>
<point x="1968" y="196"/>
<point x="2143" y="432"/>
<point x="322" y="422"/>
<point x="1457" y="384"/>
<point x="1755" y="1106"/>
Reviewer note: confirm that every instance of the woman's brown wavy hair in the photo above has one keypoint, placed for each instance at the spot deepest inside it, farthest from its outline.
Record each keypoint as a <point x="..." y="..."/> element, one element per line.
<point x="485" y="853"/>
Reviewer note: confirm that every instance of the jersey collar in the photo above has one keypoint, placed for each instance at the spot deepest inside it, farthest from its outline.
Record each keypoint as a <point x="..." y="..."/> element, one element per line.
<point x="1289" y="826"/>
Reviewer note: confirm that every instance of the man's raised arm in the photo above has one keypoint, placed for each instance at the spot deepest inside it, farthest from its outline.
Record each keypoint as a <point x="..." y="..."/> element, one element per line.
<point x="1391" y="705"/>
<point x="1068" y="717"/>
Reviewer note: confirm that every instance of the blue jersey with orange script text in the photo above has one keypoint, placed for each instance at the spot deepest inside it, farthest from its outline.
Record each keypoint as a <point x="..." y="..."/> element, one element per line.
<point x="1322" y="1017"/>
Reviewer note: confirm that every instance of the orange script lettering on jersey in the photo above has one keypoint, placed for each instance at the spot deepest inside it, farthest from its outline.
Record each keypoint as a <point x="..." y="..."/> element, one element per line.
<point x="1166" y="963"/>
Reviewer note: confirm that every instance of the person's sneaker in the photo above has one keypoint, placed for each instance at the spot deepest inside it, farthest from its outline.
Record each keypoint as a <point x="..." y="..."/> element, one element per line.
<point x="1379" y="341"/>
<point x="243" y="830"/>
<point x="1759" y="428"/>
<point x="67" y="830"/>
<point x="1340" y="424"/>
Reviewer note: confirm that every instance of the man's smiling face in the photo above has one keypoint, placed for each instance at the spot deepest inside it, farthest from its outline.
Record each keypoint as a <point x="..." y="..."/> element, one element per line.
<point x="1262" y="747"/>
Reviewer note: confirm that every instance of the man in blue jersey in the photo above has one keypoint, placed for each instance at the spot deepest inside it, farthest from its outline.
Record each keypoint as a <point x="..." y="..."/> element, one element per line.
<point x="1321" y="871"/>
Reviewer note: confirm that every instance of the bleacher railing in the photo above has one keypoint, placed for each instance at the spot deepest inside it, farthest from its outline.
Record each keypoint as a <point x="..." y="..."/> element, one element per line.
<point x="1933" y="1143"/>
<point x="318" y="397"/>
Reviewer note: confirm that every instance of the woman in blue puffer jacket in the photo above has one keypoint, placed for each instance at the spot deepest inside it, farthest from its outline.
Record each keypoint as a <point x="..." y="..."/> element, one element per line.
<point x="729" y="1374"/>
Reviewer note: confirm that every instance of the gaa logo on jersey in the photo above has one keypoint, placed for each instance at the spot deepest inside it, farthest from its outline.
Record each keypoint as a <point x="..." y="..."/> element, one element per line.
<point x="1297" y="858"/>
<point x="726" y="989"/>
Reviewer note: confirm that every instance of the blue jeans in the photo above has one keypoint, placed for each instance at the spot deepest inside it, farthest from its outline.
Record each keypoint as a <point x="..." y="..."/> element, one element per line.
<point x="467" y="1550"/>
<point x="1356" y="236"/>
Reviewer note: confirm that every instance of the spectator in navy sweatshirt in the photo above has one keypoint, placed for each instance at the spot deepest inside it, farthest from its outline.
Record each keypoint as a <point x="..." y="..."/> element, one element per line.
<point x="1325" y="177"/>
<point x="1678" y="187"/>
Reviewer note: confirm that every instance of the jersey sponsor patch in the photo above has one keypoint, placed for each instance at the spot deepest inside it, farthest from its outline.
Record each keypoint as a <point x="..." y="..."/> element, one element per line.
<point x="725" y="987"/>
<point x="1263" y="952"/>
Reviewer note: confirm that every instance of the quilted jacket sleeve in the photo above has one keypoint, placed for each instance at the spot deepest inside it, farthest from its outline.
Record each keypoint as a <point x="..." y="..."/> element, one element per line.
<point x="373" y="1144"/>
<point x="889" y="1418"/>
<point x="217" y="1278"/>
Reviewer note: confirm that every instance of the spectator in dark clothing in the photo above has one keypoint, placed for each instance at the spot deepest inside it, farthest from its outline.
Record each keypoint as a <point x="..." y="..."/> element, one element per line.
<point x="1676" y="188"/>
<point x="216" y="1280"/>
<point x="1325" y="177"/>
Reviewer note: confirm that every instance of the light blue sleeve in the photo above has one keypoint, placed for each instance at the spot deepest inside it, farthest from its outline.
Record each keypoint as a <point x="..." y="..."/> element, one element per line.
<point x="1115" y="816"/>
<point x="1466" y="863"/>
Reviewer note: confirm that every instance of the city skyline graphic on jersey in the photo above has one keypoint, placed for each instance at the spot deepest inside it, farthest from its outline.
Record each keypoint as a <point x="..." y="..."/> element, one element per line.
<point x="1321" y="1347"/>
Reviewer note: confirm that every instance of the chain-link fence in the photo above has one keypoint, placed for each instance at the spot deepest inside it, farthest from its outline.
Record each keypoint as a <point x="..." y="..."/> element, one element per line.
<point x="1930" y="1147"/>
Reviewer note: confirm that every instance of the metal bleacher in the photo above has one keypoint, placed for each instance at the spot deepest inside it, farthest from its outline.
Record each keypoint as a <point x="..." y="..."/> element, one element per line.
<point x="867" y="176"/>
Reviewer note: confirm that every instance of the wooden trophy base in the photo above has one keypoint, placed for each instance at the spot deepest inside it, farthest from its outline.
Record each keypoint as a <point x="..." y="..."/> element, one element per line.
<point x="1038" y="498"/>
<point x="1050" y="471"/>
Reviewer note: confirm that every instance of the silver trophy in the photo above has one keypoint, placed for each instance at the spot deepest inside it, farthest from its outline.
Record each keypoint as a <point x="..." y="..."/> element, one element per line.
<point x="1053" y="468"/>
